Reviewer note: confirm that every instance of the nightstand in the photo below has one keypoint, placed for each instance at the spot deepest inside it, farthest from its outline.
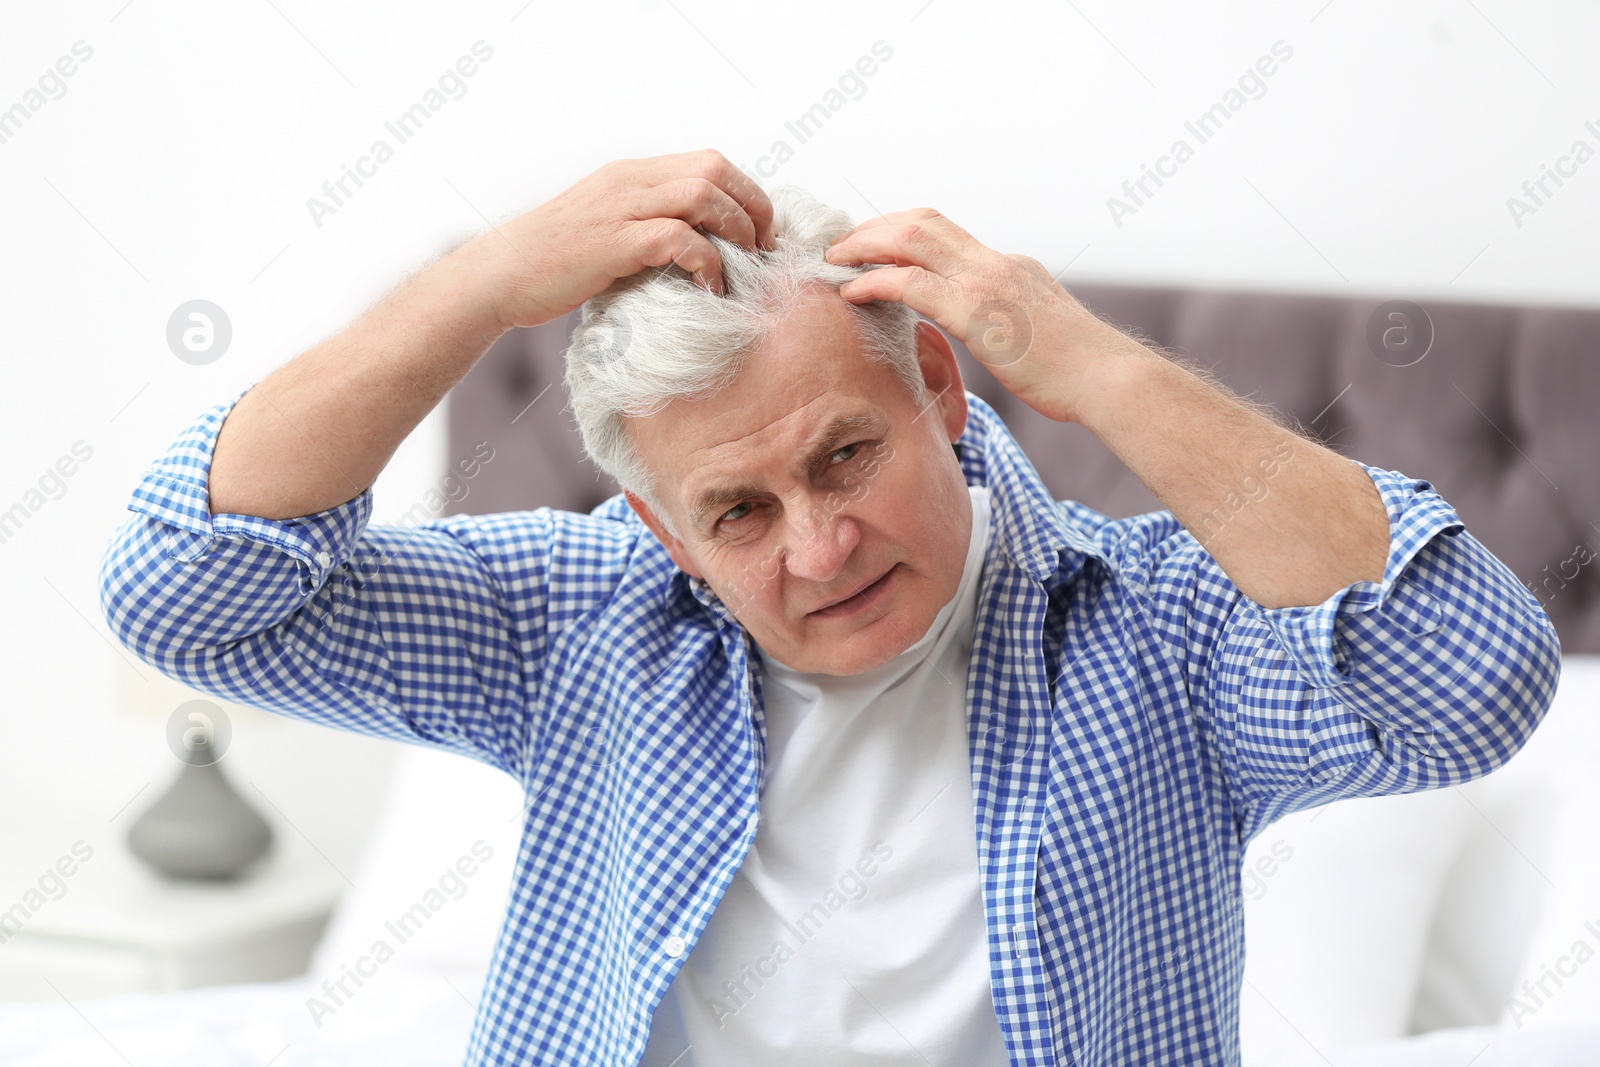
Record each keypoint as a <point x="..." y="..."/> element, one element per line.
<point x="123" y="928"/>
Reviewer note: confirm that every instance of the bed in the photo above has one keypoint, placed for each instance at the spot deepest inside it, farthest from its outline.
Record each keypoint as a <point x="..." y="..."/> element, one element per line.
<point x="1437" y="928"/>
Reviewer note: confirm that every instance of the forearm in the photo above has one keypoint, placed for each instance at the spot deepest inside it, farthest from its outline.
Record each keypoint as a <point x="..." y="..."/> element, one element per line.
<point x="318" y="430"/>
<point x="1289" y="521"/>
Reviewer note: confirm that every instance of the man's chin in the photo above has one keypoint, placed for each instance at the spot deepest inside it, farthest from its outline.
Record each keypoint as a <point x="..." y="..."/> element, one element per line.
<point x="868" y="647"/>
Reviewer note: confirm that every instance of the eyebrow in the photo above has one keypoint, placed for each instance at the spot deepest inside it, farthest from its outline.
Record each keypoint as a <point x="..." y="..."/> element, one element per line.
<point x="712" y="501"/>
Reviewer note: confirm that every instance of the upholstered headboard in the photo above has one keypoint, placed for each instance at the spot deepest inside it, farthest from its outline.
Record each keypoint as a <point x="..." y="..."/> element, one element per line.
<point x="1498" y="413"/>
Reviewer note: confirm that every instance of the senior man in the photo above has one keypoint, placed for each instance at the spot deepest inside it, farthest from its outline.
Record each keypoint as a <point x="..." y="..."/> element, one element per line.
<point x="840" y="745"/>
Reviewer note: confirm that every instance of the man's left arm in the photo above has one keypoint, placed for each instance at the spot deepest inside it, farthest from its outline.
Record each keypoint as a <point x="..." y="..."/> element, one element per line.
<point x="1363" y="578"/>
<point x="1321" y="526"/>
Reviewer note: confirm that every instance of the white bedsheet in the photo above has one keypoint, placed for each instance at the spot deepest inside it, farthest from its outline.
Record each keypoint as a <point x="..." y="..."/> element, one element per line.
<point x="411" y="1021"/>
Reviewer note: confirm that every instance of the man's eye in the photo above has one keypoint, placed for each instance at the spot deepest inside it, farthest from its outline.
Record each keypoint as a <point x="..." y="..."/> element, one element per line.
<point x="847" y="448"/>
<point x="733" y="514"/>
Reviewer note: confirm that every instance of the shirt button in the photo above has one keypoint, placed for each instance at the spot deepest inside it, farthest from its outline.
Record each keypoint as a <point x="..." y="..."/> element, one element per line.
<point x="323" y="559"/>
<point x="674" y="946"/>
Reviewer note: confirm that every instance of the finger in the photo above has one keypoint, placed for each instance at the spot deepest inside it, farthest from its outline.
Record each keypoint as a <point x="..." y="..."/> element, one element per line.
<point x="719" y="170"/>
<point x="880" y="244"/>
<point x="923" y="243"/>
<point x="657" y="242"/>
<point x="924" y="292"/>
<point x="699" y="202"/>
<point x="923" y="220"/>
<point x="743" y="188"/>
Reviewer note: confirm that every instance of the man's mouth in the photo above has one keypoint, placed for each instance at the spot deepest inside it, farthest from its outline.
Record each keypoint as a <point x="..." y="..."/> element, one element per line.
<point x="859" y="599"/>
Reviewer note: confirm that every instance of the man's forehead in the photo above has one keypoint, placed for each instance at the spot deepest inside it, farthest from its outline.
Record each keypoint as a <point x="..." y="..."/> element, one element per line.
<point x="749" y="415"/>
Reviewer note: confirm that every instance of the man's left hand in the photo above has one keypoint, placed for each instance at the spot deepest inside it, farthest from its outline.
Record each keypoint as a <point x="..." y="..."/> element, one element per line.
<point x="1033" y="335"/>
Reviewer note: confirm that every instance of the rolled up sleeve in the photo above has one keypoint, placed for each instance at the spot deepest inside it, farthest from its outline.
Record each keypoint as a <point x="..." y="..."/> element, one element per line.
<point x="392" y="631"/>
<point x="1436" y="675"/>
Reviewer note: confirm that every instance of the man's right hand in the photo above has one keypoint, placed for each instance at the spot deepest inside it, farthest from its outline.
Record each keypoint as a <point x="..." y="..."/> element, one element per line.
<point x="624" y="217"/>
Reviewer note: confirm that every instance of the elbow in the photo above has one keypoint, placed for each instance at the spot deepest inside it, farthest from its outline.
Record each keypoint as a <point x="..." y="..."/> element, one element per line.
<point x="1461" y="663"/>
<point x="112" y="585"/>
<point x="1500" y="698"/>
<point x="120" y="588"/>
<point x="152" y="607"/>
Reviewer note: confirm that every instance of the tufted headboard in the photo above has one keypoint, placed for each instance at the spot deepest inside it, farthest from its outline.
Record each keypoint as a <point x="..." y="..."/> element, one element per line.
<point x="1499" y="413"/>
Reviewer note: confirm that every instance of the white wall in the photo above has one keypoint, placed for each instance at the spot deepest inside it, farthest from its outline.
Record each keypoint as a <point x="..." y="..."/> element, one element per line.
<point x="178" y="164"/>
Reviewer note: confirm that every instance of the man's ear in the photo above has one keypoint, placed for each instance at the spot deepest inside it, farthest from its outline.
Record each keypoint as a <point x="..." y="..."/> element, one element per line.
<point x="673" y="546"/>
<point x="942" y="374"/>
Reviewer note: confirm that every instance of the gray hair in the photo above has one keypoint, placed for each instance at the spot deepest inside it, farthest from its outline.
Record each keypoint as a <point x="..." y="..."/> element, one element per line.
<point x="656" y="336"/>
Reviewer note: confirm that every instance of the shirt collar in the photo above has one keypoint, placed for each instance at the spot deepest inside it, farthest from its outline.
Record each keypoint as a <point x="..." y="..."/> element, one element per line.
<point x="1031" y="528"/>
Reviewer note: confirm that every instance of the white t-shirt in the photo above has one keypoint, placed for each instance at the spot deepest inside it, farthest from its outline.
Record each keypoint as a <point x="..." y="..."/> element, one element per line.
<point x="853" y="933"/>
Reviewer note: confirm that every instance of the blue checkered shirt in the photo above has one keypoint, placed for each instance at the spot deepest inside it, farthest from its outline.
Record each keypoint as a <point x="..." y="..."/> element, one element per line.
<point x="1134" y="721"/>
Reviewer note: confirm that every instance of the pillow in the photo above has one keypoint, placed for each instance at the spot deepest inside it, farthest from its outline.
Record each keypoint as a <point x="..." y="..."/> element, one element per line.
<point x="1559" y="978"/>
<point x="434" y="882"/>
<point x="1337" y="903"/>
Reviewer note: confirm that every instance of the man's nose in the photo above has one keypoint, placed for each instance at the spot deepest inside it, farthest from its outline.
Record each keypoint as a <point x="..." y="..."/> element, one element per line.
<point x="820" y="542"/>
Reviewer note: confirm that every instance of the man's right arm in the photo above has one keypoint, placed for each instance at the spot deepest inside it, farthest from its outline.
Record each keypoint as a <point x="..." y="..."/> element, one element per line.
<point x="317" y="431"/>
<point x="249" y="570"/>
